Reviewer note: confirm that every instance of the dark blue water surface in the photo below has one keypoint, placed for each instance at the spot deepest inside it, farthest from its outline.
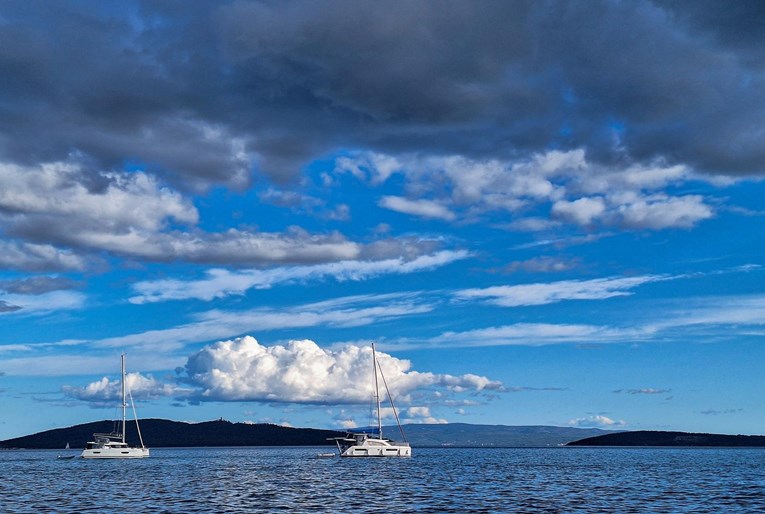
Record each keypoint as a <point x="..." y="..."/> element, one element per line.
<point x="234" y="480"/>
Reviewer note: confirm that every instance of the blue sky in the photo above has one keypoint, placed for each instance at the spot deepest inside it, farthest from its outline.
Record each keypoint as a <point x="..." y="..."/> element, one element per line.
<point x="538" y="218"/>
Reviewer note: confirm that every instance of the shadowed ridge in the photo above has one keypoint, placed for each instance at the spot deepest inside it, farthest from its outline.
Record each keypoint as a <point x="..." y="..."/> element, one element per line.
<point x="165" y="433"/>
<point x="661" y="438"/>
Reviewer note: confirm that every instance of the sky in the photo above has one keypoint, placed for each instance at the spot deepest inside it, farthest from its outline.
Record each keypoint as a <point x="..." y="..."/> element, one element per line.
<point x="543" y="213"/>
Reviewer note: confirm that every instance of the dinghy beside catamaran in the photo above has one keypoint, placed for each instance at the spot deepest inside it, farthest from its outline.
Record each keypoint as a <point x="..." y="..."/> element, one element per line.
<point x="361" y="444"/>
<point x="113" y="445"/>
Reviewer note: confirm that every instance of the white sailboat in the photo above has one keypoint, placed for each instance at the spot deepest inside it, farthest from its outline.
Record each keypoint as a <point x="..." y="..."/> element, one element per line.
<point x="374" y="445"/>
<point x="113" y="445"/>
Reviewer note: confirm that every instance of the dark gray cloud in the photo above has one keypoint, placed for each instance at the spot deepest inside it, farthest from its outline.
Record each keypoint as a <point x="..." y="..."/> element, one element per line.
<point x="37" y="285"/>
<point x="200" y="91"/>
<point x="7" y="307"/>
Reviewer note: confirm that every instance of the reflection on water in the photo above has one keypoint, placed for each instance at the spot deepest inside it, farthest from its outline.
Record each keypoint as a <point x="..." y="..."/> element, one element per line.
<point x="236" y="480"/>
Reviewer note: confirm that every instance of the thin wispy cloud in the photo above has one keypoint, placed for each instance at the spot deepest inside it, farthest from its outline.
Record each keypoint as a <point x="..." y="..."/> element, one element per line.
<point x="644" y="390"/>
<point x="220" y="282"/>
<point x="44" y="303"/>
<point x="536" y="334"/>
<point x="721" y="412"/>
<point x="546" y="293"/>
<point x="163" y="348"/>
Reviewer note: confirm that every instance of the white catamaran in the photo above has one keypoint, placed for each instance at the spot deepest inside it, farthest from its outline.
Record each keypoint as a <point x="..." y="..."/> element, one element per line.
<point x="113" y="445"/>
<point x="358" y="444"/>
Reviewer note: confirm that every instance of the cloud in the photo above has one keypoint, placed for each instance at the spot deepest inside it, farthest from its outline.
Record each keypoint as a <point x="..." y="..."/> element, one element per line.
<point x="7" y="307"/>
<point x="36" y="285"/>
<point x="644" y="390"/>
<point x="541" y="294"/>
<point x="219" y="283"/>
<point x="160" y="347"/>
<point x="519" y="389"/>
<point x="45" y="202"/>
<point x="583" y="211"/>
<point x="273" y="85"/>
<point x="43" y="303"/>
<point x="63" y="214"/>
<point x="596" y="421"/>
<point x="421" y="208"/>
<point x="107" y="393"/>
<point x="572" y="188"/>
<point x="302" y="203"/>
<point x="302" y="372"/>
<point x="420" y="415"/>
<point x="660" y="211"/>
<point x="543" y="264"/>
<point x="536" y="334"/>
<point x="723" y="412"/>
<point x="27" y="256"/>
<point x="707" y="312"/>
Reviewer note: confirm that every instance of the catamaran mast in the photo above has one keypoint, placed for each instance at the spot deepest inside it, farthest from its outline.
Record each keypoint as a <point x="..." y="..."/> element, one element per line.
<point x="377" y="392"/>
<point x="124" y="404"/>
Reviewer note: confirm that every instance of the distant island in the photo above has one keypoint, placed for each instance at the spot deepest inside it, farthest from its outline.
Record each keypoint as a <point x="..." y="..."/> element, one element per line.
<point x="659" y="438"/>
<point x="166" y="433"/>
<point x="158" y="433"/>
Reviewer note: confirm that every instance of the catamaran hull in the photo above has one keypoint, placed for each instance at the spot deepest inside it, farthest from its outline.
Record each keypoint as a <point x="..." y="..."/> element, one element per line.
<point x="115" y="453"/>
<point x="387" y="451"/>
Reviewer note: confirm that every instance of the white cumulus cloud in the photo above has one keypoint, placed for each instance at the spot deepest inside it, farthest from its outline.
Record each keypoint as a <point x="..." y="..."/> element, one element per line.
<point x="109" y="392"/>
<point x="596" y="421"/>
<point x="302" y="372"/>
<point x="573" y="190"/>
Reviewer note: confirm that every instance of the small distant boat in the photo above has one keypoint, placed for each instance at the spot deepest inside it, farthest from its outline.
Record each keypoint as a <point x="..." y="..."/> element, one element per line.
<point x="362" y="444"/>
<point x="65" y="457"/>
<point x="113" y="445"/>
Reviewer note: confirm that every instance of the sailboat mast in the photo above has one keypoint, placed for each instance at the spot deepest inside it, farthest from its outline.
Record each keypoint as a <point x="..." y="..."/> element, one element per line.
<point x="377" y="392"/>
<point x="124" y="405"/>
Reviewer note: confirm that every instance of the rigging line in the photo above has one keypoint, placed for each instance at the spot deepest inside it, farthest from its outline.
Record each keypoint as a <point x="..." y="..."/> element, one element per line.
<point x="137" y="426"/>
<point x="395" y="412"/>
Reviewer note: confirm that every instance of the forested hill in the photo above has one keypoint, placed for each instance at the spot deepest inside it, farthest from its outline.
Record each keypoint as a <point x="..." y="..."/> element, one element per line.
<point x="659" y="438"/>
<point x="165" y="433"/>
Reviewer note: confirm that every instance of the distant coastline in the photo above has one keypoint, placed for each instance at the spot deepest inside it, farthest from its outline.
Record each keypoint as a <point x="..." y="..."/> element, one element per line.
<point x="165" y="433"/>
<point x="159" y="433"/>
<point x="665" y="438"/>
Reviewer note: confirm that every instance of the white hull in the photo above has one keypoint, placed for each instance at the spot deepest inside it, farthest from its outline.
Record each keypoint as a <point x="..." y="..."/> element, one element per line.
<point x="113" y="445"/>
<point x="362" y="444"/>
<point x="377" y="451"/>
<point x="115" y="453"/>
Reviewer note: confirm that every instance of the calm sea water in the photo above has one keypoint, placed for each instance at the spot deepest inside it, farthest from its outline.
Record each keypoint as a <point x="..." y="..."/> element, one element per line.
<point x="234" y="480"/>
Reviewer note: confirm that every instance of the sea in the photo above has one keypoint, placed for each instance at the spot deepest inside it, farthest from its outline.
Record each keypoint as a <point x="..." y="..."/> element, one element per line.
<point x="435" y="480"/>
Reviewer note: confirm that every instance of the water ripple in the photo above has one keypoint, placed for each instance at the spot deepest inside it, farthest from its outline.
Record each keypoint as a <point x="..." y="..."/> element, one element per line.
<point x="239" y="480"/>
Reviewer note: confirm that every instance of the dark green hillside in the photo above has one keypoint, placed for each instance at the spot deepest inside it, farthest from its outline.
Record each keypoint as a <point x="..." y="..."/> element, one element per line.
<point x="464" y="434"/>
<point x="165" y="433"/>
<point x="659" y="438"/>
